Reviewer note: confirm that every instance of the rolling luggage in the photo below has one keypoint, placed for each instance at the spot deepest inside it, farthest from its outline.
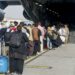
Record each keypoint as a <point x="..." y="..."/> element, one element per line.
<point x="4" y="65"/>
<point x="4" y="61"/>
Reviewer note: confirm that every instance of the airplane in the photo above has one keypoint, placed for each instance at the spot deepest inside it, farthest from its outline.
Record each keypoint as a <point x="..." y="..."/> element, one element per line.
<point x="43" y="10"/>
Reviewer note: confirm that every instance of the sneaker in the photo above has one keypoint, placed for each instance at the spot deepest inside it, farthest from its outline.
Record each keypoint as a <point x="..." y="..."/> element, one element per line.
<point x="18" y="74"/>
<point x="13" y="73"/>
<point x="42" y="51"/>
<point x="10" y="74"/>
<point x="38" y="53"/>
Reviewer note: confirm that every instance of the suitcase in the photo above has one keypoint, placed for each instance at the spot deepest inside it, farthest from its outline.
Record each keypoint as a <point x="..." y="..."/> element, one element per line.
<point x="4" y="64"/>
<point x="4" y="61"/>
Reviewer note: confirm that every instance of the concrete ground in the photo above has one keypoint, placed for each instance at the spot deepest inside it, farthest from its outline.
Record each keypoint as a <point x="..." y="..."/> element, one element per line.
<point x="60" y="61"/>
<point x="54" y="62"/>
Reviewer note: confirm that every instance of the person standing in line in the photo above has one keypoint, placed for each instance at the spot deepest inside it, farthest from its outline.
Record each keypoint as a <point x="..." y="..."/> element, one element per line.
<point x="62" y="33"/>
<point x="41" y="28"/>
<point x="36" y="39"/>
<point x="25" y="29"/>
<point x="15" y="25"/>
<point x="28" y="30"/>
<point x="31" y="44"/>
<point x="49" y="37"/>
<point x="67" y="33"/>
<point x="54" y="28"/>
<point x="17" y="53"/>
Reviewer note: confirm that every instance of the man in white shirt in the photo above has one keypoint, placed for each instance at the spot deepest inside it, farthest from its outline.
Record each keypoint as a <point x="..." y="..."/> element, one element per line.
<point x="41" y="28"/>
<point x="62" y="34"/>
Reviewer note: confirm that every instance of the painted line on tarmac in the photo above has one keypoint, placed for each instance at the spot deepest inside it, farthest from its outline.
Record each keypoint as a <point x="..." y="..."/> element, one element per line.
<point x="34" y="57"/>
<point x="38" y="67"/>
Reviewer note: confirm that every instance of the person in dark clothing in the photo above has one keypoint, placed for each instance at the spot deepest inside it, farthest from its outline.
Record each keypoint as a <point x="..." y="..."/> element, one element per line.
<point x="17" y="54"/>
<point x="15" y="23"/>
<point x="2" y="32"/>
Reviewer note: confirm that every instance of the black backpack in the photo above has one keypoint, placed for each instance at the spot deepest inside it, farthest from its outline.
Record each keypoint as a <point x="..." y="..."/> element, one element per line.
<point x="7" y="37"/>
<point x="15" y="40"/>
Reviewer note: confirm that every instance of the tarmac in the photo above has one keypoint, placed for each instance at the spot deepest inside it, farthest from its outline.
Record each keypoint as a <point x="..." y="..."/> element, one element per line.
<point x="60" y="61"/>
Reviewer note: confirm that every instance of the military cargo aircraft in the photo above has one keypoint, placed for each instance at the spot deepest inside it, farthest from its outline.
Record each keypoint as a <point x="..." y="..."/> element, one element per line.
<point x="43" y="10"/>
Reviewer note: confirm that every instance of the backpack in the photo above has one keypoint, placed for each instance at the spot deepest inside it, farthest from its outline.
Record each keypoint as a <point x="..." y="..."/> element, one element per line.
<point x="7" y="36"/>
<point x="15" y="40"/>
